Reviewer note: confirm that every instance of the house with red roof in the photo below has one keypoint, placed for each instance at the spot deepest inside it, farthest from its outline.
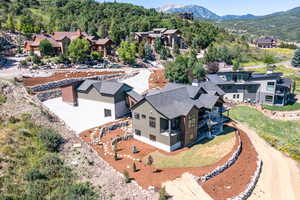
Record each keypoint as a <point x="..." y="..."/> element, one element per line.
<point x="60" y="41"/>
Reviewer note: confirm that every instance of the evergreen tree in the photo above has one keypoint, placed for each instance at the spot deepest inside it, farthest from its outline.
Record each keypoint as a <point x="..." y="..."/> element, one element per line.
<point x="46" y="48"/>
<point x="10" y="23"/>
<point x="296" y="58"/>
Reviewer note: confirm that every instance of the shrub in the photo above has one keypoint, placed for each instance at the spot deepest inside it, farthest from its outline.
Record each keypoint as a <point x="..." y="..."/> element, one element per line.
<point x="81" y="191"/>
<point x="163" y="194"/>
<point x="95" y="55"/>
<point x="13" y="120"/>
<point x="115" y="155"/>
<point x="24" y="132"/>
<point x="3" y="99"/>
<point x="35" y="59"/>
<point x="134" y="169"/>
<point x="134" y="150"/>
<point x="50" y="139"/>
<point x="126" y="176"/>
<point x="34" y="174"/>
<point x="212" y="67"/>
<point x="26" y="116"/>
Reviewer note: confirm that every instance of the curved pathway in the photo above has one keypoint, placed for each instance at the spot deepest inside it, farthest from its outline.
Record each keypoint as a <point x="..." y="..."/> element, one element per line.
<point x="280" y="177"/>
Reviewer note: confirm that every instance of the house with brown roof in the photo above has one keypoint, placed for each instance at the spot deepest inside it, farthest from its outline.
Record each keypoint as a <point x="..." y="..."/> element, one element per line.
<point x="60" y="41"/>
<point x="266" y="42"/>
<point x="170" y="38"/>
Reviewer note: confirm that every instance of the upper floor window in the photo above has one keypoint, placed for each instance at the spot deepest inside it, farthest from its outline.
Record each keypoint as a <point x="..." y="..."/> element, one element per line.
<point x="192" y="121"/>
<point x="143" y="116"/>
<point x="136" y="115"/>
<point x="152" y="122"/>
<point x="270" y="86"/>
<point x="107" y="113"/>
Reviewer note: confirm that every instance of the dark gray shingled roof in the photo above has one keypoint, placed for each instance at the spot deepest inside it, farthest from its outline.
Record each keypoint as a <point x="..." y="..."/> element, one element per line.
<point x="266" y="75"/>
<point x="110" y="87"/>
<point x="285" y="82"/>
<point x="135" y="95"/>
<point x="176" y="100"/>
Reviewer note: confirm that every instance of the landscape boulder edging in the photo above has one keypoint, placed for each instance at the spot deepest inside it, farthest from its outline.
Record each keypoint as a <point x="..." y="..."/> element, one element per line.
<point x="225" y="166"/>
<point x="250" y="187"/>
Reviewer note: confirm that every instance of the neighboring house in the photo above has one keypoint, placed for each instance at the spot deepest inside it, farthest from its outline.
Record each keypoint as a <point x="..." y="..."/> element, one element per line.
<point x="266" y="42"/>
<point x="247" y="86"/>
<point x="170" y="38"/>
<point x="178" y="115"/>
<point x="186" y="15"/>
<point x="60" y="41"/>
<point x="112" y="98"/>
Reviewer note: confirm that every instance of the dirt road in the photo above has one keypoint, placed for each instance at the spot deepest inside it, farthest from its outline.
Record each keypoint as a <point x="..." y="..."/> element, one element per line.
<point x="280" y="177"/>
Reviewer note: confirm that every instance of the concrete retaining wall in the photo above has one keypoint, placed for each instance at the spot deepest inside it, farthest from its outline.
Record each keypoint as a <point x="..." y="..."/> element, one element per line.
<point x="226" y="165"/>
<point x="250" y="187"/>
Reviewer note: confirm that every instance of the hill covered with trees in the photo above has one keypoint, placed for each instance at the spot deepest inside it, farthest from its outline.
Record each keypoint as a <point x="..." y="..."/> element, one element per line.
<point x="113" y="20"/>
<point x="283" y="25"/>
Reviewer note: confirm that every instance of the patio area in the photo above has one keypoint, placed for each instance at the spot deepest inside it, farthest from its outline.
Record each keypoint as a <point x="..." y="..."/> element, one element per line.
<point x="85" y="116"/>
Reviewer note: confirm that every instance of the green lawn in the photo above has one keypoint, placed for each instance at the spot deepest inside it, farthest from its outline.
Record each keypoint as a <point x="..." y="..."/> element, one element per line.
<point x="280" y="68"/>
<point x="288" y="52"/>
<point x="205" y="153"/>
<point x="283" y="135"/>
<point x="252" y="63"/>
<point x="291" y="107"/>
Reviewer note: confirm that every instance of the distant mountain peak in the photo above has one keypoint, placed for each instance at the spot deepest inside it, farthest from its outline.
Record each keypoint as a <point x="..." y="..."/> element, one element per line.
<point x="201" y="12"/>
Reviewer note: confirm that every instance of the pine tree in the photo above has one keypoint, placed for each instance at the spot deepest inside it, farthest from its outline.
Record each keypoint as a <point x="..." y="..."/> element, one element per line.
<point x="296" y="58"/>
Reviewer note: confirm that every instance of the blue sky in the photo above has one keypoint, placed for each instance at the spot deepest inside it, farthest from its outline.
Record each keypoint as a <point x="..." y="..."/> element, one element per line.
<point x="223" y="7"/>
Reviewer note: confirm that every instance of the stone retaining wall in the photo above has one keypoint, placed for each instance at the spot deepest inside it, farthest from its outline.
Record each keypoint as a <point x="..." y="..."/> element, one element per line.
<point x="226" y="165"/>
<point x="250" y="187"/>
<point x="65" y="82"/>
<point x="44" y="96"/>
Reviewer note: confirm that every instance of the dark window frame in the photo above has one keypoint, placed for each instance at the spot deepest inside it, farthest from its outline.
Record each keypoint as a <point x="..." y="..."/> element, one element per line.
<point x="152" y="137"/>
<point x="143" y="116"/>
<point x="137" y="132"/>
<point x="136" y="116"/>
<point x="107" y="112"/>
<point x="152" y="122"/>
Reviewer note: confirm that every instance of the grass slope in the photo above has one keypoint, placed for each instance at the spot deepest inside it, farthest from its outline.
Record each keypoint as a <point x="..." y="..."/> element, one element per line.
<point x="283" y="135"/>
<point x="205" y="153"/>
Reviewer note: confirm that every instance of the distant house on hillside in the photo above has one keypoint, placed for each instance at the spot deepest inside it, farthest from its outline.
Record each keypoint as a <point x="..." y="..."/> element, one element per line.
<point x="266" y="42"/>
<point x="247" y="86"/>
<point x="60" y="41"/>
<point x="186" y="15"/>
<point x="169" y="38"/>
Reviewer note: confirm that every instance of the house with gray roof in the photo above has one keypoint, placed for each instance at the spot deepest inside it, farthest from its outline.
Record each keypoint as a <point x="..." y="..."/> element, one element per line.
<point x="247" y="86"/>
<point x="113" y="99"/>
<point x="178" y="115"/>
<point x="168" y="37"/>
<point x="266" y="42"/>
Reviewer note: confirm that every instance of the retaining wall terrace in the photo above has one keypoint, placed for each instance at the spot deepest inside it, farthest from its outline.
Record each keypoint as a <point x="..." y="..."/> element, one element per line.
<point x="250" y="187"/>
<point x="44" y="96"/>
<point x="226" y="165"/>
<point x="65" y="82"/>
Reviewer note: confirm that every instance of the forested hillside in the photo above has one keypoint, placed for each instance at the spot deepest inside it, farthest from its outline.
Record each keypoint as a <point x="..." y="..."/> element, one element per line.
<point x="114" y="20"/>
<point x="283" y="25"/>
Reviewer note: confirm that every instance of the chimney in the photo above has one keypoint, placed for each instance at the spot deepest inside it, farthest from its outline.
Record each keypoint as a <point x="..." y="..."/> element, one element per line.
<point x="69" y="94"/>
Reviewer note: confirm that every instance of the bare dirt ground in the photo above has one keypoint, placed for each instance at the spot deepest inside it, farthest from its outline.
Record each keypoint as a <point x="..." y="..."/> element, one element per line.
<point x="280" y="177"/>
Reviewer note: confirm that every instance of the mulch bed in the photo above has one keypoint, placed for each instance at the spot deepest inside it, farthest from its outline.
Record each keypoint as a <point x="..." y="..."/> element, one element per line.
<point x="234" y="180"/>
<point x="65" y="75"/>
<point x="157" y="79"/>
<point x="146" y="176"/>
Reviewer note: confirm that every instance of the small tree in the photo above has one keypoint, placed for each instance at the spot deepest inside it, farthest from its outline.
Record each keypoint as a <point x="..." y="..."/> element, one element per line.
<point x="126" y="176"/>
<point x="134" y="149"/>
<point x="163" y="194"/>
<point x="46" y="48"/>
<point x="36" y="59"/>
<point x="236" y="64"/>
<point x="296" y="58"/>
<point x="212" y="67"/>
<point x="10" y="23"/>
<point x="148" y="52"/>
<point x="158" y="45"/>
<point x="96" y="55"/>
<point x="79" y="49"/>
<point x="150" y="161"/>
<point x="134" y="169"/>
<point x="50" y="139"/>
<point x="127" y="52"/>
<point x="115" y="155"/>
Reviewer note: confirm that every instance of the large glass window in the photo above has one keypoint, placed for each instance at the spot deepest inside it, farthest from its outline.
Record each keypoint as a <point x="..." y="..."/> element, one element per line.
<point x="270" y="86"/>
<point x="192" y="121"/>
<point x="152" y="122"/>
<point x="269" y="99"/>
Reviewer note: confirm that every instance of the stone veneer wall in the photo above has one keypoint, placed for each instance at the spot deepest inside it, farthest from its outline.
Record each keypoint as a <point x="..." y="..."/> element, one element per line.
<point x="65" y="82"/>
<point x="226" y="165"/>
<point x="250" y="187"/>
<point x="44" y="96"/>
